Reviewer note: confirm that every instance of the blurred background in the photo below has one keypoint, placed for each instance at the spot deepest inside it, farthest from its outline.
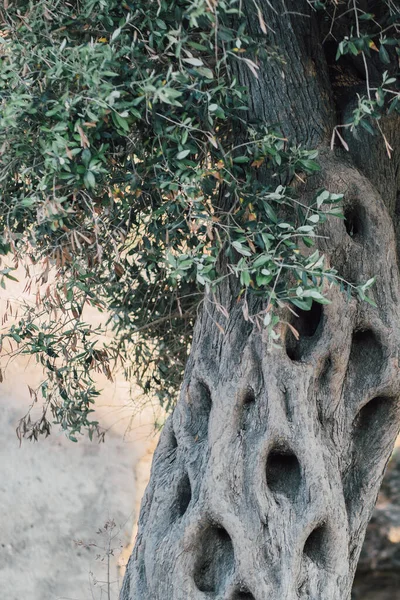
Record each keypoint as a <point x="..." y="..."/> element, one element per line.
<point x="67" y="510"/>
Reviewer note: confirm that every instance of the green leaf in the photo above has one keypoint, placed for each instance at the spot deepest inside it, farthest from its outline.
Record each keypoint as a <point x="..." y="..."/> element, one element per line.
<point x="262" y="260"/>
<point x="394" y="105"/>
<point x="310" y="165"/>
<point x="27" y="202"/>
<point x="316" y="295"/>
<point x="205" y="72"/>
<point x="182" y="154"/>
<point x="241" y="249"/>
<point x="245" y="278"/>
<point x="263" y="280"/>
<point x="308" y="241"/>
<point x="370" y="301"/>
<point x="305" y="229"/>
<point x="322" y="300"/>
<point x="322" y="197"/>
<point x="197" y="46"/>
<point x="353" y="48"/>
<point x="384" y="55"/>
<point x="303" y="304"/>
<point x="115" y="34"/>
<point x="368" y="284"/>
<point x="335" y="197"/>
<point x="90" y="180"/>
<point x="367" y="126"/>
<point x="120" y="122"/>
<point x="196" y="62"/>
<point x="270" y="213"/>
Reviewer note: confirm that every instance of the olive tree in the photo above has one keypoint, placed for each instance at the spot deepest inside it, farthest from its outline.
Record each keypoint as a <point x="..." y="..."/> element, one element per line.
<point x="268" y="470"/>
<point x="220" y="178"/>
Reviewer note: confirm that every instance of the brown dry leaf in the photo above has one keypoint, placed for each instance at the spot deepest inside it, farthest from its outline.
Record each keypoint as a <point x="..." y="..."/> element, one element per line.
<point x="217" y="175"/>
<point x="222" y="310"/>
<point x="213" y="141"/>
<point x="345" y="145"/>
<point x="257" y="163"/>
<point x="222" y="330"/>
<point x="74" y="343"/>
<point x="261" y="20"/>
<point x="252" y="66"/>
<point x="294" y="331"/>
<point x="84" y="237"/>
<point x="47" y="15"/>
<point x="119" y="270"/>
<point x="84" y="138"/>
<point x="66" y="256"/>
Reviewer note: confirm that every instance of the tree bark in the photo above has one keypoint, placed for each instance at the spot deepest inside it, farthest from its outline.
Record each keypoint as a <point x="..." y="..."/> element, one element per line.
<point x="267" y="472"/>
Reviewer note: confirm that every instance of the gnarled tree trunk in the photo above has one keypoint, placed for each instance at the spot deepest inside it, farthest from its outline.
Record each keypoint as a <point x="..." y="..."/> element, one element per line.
<point x="267" y="472"/>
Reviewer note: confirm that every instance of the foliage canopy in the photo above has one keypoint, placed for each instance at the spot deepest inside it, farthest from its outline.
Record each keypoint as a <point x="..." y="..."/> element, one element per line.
<point x="132" y="180"/>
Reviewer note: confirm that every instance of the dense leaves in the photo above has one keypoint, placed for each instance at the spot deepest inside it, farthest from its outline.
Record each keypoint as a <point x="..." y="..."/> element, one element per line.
<point x="127" y="169"/>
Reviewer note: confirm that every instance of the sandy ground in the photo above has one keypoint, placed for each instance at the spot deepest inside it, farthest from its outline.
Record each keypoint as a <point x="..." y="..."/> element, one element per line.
<point x="55" y="493"/>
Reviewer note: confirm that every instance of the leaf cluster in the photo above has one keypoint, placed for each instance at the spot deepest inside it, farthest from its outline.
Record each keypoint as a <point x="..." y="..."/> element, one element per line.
<point x="127" y="169"/>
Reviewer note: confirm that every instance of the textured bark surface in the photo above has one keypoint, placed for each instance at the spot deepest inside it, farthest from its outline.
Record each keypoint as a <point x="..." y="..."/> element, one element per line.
<point x="267" y="472"/>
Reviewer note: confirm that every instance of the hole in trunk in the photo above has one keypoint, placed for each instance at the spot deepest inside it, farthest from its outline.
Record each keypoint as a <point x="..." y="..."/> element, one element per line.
<point x="323" y="387"/>
<point x="215" y="561"/>
<point x="353" y="221"/>
<point x="180" y="497"/>
<point x="366" y="360"/>
<point x="199" y="403"/>
<point x="316" y="546"/>
<point x="173" y="442"/>
<point x="283" y="472"/>
<point x="184" y="493"/>
<point x="242" y="595"/>
<point x="370" y="447"/>
<point x="325" y="375"/>
<point x="380" y="414"/>
<point x="248" y="397"/>
<point x="248" y="402"/>
<point x="372" y="419"/>
<point x="309" y="326"/>
<point x="169" y="442"/>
